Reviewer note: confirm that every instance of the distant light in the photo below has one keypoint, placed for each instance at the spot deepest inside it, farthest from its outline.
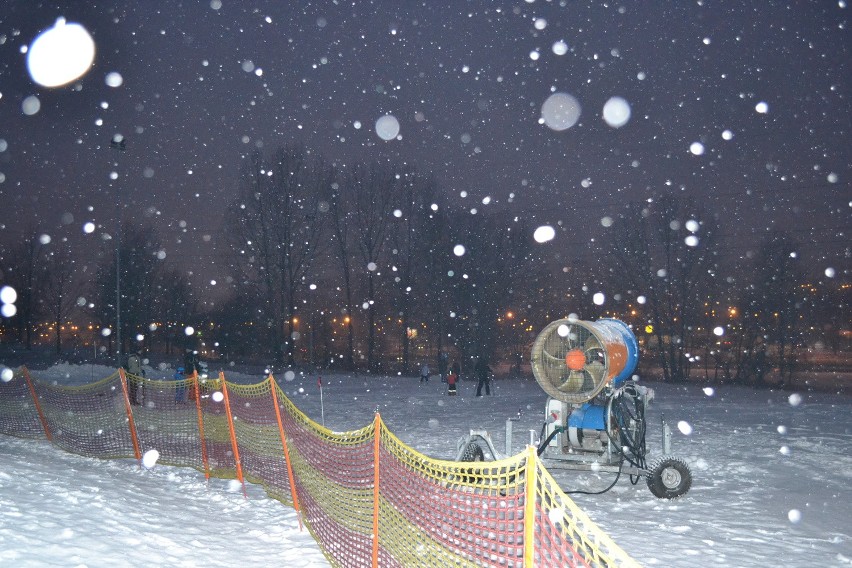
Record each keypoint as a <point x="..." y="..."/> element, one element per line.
<point x="60" y="54"/>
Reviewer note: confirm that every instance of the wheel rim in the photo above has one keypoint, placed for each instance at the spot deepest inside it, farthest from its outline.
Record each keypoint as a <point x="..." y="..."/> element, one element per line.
<point x="670" y="477"/>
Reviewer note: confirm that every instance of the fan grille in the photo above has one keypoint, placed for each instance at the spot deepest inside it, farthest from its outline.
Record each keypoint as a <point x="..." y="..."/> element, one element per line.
<point x="569" y="361"/>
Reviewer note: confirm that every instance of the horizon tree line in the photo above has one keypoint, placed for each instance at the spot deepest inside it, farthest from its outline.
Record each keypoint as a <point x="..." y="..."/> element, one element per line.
<point x="372" y="267"/>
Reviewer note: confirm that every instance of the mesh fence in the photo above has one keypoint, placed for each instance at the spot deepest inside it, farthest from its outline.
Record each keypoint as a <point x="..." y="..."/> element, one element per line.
<point x="366" y="497"/>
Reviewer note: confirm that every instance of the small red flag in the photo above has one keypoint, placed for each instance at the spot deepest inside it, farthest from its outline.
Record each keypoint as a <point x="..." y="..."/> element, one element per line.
<point x="319" y="382"/>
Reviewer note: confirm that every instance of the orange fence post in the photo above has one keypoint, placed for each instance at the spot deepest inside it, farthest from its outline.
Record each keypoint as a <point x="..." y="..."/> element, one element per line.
<point x="197" y="392"/>
<point x="129" y="411"/>
<point x="273" y="386"/>
<point x="376" y="444"/>
<point x="233" y="433"/>
<point x="529" y="507"/>
<point x="37" y="404"/>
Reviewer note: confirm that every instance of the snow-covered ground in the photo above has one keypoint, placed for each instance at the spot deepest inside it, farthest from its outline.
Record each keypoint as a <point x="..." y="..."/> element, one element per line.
<point x="771" y="469"/>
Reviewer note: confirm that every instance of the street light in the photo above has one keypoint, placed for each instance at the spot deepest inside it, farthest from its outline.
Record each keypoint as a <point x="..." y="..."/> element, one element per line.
<point x="118" y="143"/>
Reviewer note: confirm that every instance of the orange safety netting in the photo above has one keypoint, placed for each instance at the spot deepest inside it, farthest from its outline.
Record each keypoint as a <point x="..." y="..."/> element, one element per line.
<point x="366" y="497"/>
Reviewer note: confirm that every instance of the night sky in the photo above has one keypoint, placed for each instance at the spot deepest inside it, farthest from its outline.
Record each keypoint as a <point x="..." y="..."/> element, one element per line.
<point x="207" y="82"/>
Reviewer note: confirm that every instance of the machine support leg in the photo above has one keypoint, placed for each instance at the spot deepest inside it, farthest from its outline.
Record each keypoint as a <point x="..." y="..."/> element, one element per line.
<point x="667" y="438"/>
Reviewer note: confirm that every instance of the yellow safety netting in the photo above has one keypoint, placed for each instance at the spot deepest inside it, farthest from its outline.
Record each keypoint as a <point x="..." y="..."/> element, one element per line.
<point x="366" y="497"/>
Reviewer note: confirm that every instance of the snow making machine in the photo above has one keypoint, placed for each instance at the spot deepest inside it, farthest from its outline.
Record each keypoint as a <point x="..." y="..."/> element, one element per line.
<point x="595" y="412"/>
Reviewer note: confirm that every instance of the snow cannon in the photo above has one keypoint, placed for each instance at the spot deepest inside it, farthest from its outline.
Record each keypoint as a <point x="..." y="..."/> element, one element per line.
<point x="573" y="360"/>
<point x="595" y="413"/>
<point x="594" y="419"/>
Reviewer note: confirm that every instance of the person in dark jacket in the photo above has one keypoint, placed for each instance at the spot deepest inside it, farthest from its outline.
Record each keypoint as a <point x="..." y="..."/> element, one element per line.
<point x="136" y="386"/>
<point x="190" y="362"/>
<point x="483" y="376"/>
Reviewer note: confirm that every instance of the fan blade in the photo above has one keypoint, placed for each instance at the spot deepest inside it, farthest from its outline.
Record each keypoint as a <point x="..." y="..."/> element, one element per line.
<point x="596" y="371"/>
<point x="592" y="343"/>
<point x="549" y="359"/>
<point x="573" y="382"/>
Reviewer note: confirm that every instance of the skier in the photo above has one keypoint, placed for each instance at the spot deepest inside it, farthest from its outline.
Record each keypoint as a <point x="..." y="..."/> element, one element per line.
<point x="180" y="388"/>
<point x="136" y="387"/>
<point x="451" y="384"/>
<point x="442" y="366"/>
<point x="424" y="373"/>
<point x="483" y="376"/>
<point x="190" y="362"/>
<point x="456" y="369"/>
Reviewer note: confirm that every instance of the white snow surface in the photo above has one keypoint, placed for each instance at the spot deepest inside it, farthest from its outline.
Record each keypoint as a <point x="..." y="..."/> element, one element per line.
<point x="771" y="480"/>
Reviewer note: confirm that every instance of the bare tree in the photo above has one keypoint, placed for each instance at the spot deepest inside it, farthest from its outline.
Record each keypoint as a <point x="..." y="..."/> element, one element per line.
<point x="665" y="249"/>
<point x="174" y="304"/>
<point x="410" y="257"/>
<point x="341" y="217"/>
<point x="774" y="303"/>
<point x="58" y="299"/>
<point x="139" y="272"/>
<point x="275" y="233"/>
<point x="371" y="191"/>
<point x="21" y="270"/>
<point x="495" y="261"/>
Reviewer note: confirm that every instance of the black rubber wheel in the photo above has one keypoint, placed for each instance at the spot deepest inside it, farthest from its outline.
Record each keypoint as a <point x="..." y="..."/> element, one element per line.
<point x="669" y="478"/>
<point x="473" y="453"/>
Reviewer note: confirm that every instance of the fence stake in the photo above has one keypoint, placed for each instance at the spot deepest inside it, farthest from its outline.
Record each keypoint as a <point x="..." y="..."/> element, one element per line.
<point x="529" y="507"/>
<point x="197" y="392"/>
<point x="129" y="411"/>
<point x="233" y="433"/>
<point x="377" y="429"/>
<point x="273" y="385"/>
<point x="37" y="404"/>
